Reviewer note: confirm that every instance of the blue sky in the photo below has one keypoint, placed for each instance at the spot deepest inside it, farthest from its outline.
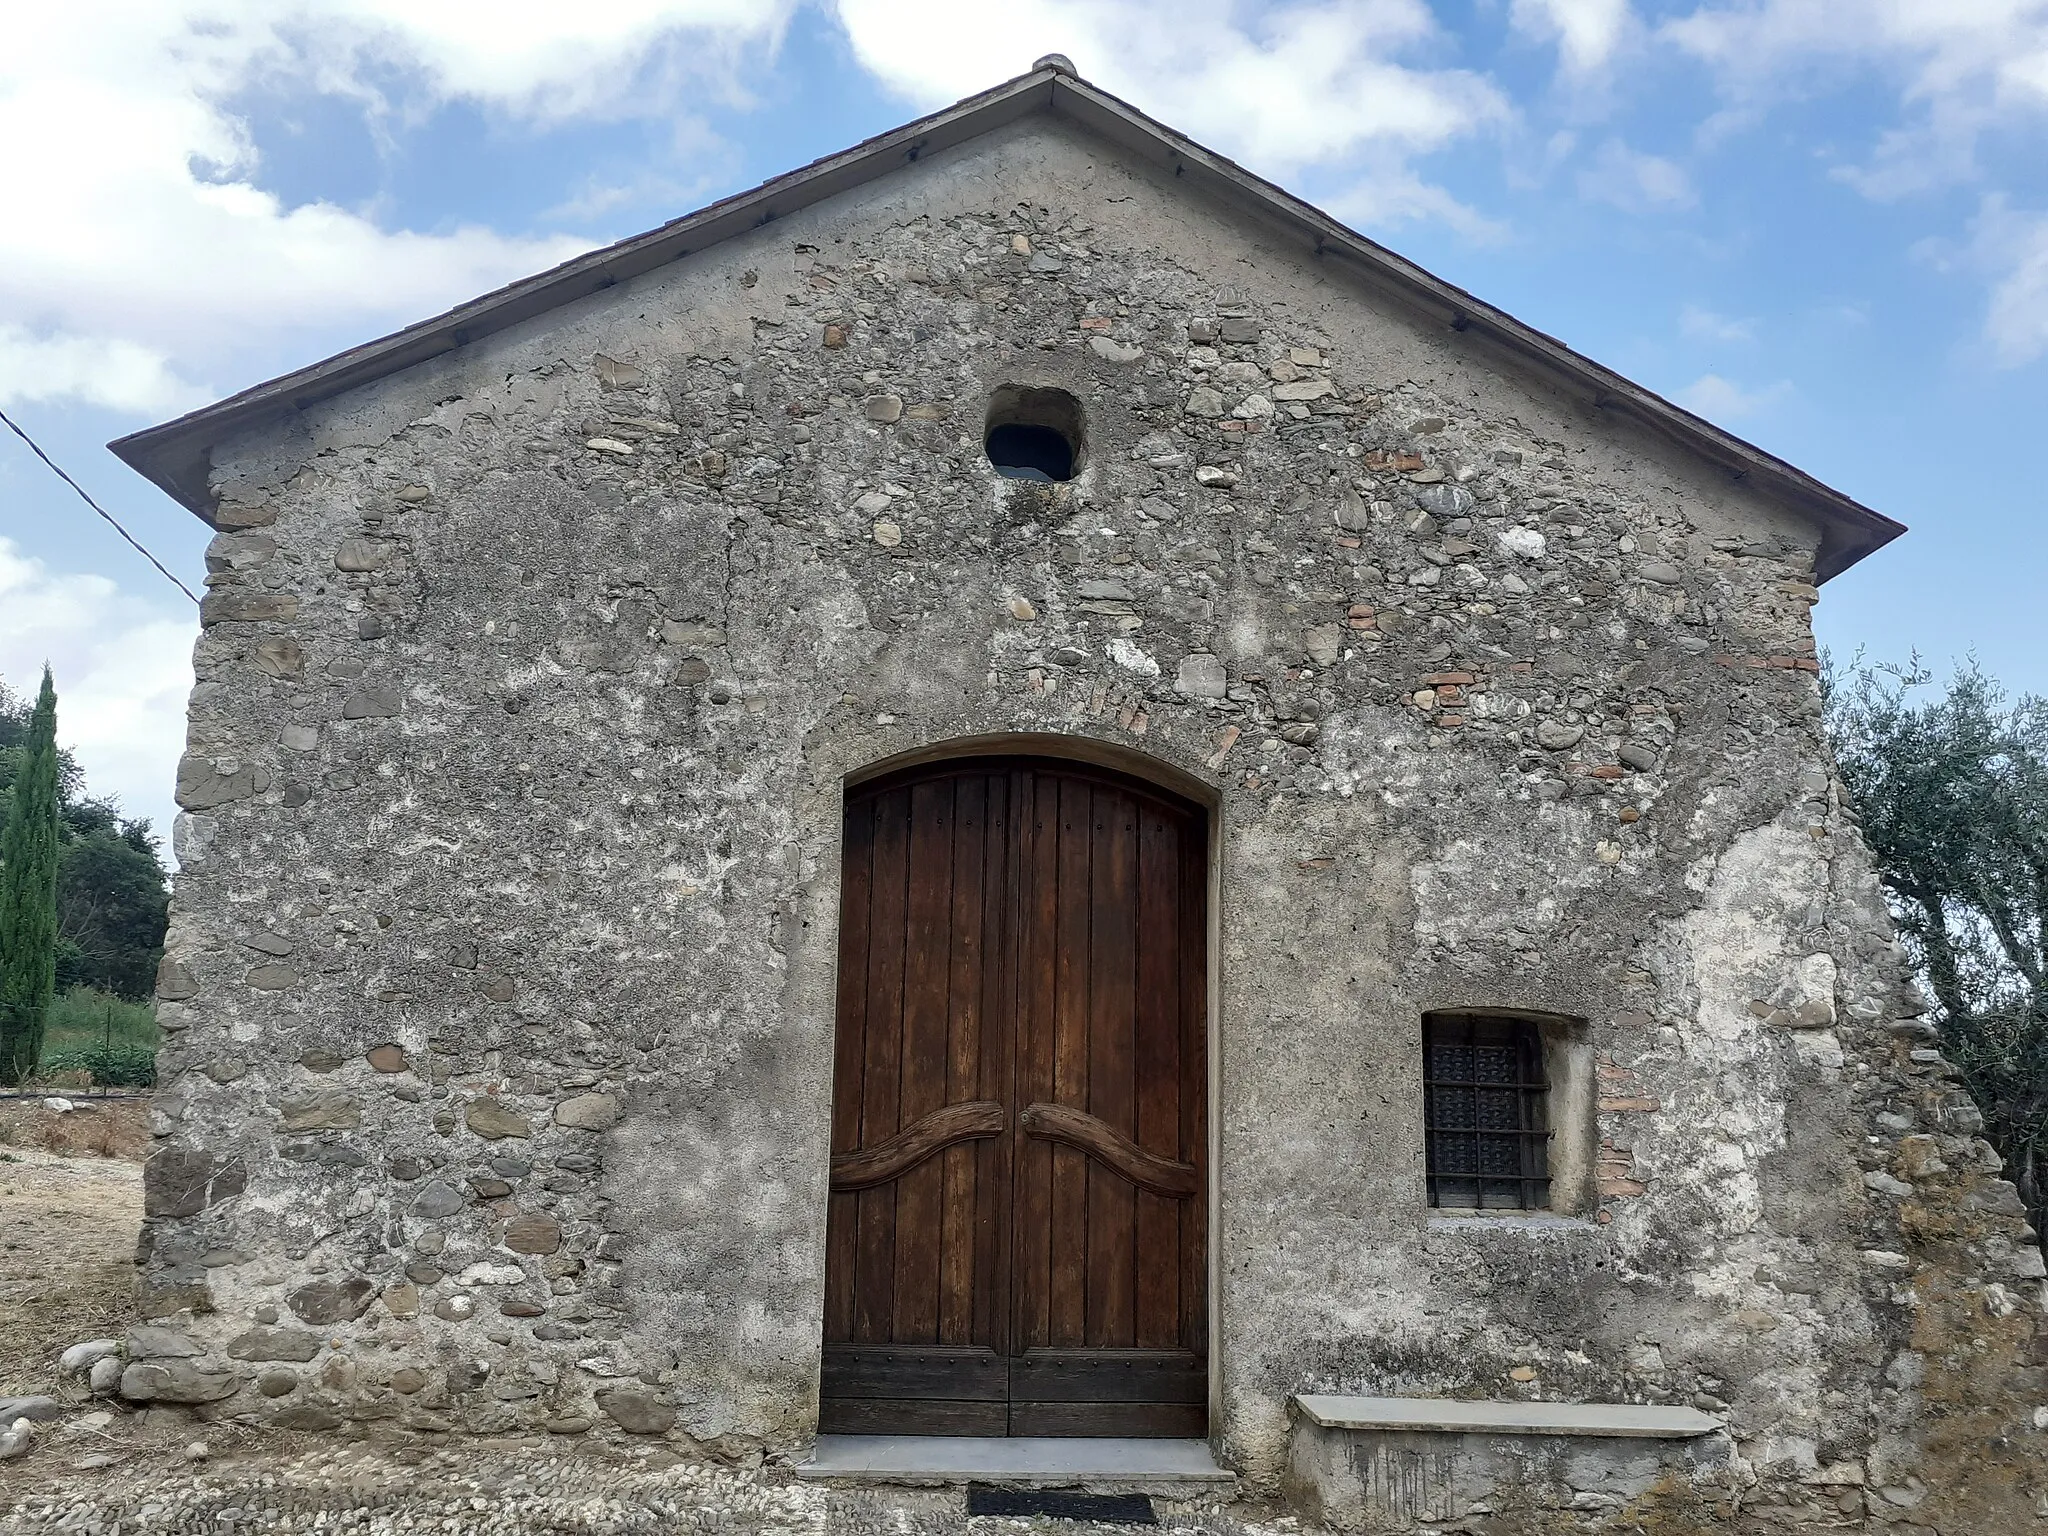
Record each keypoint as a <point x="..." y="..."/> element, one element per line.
<point x="1821" y="223"/>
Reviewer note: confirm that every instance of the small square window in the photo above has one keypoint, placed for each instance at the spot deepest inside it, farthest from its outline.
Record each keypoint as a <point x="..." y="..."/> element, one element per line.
<point x="1486" y="1112"/>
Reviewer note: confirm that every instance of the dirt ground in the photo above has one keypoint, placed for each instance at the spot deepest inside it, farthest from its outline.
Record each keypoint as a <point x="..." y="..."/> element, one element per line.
<point x="70" y="1212"/>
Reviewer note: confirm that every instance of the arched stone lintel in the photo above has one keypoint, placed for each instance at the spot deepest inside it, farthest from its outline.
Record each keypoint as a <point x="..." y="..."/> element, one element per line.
<point x="1054" y="744"/>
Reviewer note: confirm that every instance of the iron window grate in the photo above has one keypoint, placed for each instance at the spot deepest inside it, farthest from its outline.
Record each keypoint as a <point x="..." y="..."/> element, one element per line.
<point x="1485" y="1113"/>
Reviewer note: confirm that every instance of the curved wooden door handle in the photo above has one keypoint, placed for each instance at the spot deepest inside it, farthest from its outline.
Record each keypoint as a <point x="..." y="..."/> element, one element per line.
<point x="1080" y="1130"/>
<point x="924" y="1137"/>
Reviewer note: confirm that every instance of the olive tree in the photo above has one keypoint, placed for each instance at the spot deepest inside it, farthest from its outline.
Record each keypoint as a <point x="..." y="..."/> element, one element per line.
<point x="1952" y="788"/>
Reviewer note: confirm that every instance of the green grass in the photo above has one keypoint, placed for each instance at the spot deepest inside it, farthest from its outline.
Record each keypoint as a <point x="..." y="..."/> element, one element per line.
<point x="114" y="1040"/>
<point x="84" y="1016"/>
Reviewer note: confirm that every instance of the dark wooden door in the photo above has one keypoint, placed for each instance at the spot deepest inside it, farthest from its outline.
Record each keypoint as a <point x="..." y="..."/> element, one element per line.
<point x="1016" y="1240"/>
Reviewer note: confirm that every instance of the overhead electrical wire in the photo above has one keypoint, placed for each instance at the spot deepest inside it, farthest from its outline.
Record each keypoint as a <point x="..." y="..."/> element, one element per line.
<point x="36" y="449"/>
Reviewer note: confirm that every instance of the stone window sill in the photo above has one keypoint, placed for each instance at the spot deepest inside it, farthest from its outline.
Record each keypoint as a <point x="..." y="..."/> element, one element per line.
<point x="1445" y="1219"/>
<point x="1634" y="1421"/>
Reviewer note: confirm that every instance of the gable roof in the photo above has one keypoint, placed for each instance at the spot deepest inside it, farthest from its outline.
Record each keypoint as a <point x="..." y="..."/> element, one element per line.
<point x="176" y="455"/>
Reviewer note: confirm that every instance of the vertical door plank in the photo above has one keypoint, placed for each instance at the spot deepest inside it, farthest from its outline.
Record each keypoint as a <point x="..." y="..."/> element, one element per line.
<point x="1070" y="1062"/>
<point x="875" y="1262"/>
<point x="1194" y="1087"/>
<point x="965" y="958"/>
<point x="927" y="973"/>
<point x="1035" y="940"/>
<point x="842" y="1219"/>
<point x="996" y="1068"/>
<point x="1112" y="1020"/>
<point x="1158" y="1072"/>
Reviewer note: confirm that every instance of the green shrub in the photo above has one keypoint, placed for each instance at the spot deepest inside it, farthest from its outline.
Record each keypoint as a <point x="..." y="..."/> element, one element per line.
<point x="121" y="1066"/>
<point x="112" y="1039"/>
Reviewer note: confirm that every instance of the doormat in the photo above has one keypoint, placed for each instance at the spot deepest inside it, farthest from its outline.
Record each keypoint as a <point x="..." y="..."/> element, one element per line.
<point x="1058" y="1504"/>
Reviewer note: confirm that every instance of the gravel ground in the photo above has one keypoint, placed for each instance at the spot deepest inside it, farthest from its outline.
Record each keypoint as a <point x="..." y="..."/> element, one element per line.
<point x="123" y="1477"/>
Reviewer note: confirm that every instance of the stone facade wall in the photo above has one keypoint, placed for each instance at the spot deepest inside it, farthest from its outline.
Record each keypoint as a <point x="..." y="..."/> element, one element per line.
<point x="499" y="990"/>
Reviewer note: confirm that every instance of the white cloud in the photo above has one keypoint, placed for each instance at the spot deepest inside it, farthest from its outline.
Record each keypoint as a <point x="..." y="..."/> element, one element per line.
<point x="1636" y="182"/>
<point x="1588" y="33"/>
<point x="98" y="370"/>
<point x="2011" y="247"/>
<point x="1311" y="84"/>
<point x="142" y="252"/>
<point x="1961" y="66"/>
<point x="123" y="668"/>
<point x="1722" y="400"/>
<point x="541" y="57"/>
<point x="1382" y="199"/>
<point x="2018" y="323"/>
<point x="1967" y="73"/>
<point x="1697" y="323"/>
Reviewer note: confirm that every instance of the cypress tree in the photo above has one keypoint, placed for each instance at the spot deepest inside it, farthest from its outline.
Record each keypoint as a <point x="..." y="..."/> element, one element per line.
<point x="28" y="895"/>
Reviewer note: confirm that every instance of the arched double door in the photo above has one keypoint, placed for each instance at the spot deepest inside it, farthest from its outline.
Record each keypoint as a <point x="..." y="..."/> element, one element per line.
<point x="1016" y="1240"/>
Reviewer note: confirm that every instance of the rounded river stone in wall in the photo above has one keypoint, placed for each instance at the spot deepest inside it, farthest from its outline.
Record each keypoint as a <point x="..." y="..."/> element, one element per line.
<point x="436" y="1200"/>
<point x="332" y="1301"/>
<point x="636" y="1410"/>
<point x="588" y="1112"/>
<point x="493" y="1121"/>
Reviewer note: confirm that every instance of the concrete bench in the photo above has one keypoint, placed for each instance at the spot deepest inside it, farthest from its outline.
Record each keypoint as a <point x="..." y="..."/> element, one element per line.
<point x="1383" y="1463"/>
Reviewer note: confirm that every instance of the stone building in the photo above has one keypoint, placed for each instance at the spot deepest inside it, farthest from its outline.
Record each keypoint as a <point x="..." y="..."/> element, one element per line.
<point x="1013" y="786"/>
